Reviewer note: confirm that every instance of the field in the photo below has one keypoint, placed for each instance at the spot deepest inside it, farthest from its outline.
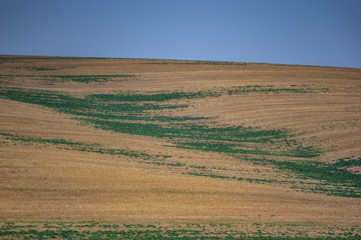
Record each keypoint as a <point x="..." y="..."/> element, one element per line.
<point x="95" y="148"/>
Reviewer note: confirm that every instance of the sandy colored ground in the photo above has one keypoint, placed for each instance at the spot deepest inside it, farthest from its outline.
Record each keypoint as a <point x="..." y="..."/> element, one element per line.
<point x="45" y="183"/>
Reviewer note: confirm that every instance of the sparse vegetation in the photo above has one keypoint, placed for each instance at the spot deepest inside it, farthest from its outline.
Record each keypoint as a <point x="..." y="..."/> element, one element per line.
<point x="334" y="180"/>
<point x="166" y="96"/>
<point x="70" y="145"/>
<point x="94" y="230"/>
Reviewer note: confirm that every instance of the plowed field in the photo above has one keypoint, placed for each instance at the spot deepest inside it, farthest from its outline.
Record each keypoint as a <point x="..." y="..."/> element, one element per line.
<point x="141" y="149"/>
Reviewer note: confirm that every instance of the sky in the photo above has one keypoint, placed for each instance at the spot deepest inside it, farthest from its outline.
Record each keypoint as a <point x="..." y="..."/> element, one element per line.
<point x="306" y="32"/>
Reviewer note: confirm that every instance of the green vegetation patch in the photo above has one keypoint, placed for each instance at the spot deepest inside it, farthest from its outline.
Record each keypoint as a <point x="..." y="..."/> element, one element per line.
<point x="347" y="162"/>
<point x="158" y="97"/>
<point x="335" y="180"/>
<point x="331" y="173"/>
<point x="331" y="180"/>
<point x="166" y="96"/>
<point x="40" y="69"/>
<point x="81" y="106"/>
<point x="262" y="148"/>
<point x="93" y="230"/>
<point x="273" y="89"/>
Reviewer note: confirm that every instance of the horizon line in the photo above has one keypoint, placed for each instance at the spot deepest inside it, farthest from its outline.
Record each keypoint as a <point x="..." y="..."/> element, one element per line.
<point x="19" y="56"/>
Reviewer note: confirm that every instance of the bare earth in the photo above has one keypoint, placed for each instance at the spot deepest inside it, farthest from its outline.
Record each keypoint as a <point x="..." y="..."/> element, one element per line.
<point x="45" y="183"/>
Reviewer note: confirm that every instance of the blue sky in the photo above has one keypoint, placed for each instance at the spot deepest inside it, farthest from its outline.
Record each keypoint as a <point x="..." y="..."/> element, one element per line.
<point x="309" y="32"/>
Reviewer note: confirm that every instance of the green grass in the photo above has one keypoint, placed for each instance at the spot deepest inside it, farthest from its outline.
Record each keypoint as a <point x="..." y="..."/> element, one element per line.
<point x="347" y="162"/>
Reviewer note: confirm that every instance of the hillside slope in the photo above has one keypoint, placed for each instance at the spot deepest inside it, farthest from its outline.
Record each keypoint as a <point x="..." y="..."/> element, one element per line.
<point x="215" y="147"/>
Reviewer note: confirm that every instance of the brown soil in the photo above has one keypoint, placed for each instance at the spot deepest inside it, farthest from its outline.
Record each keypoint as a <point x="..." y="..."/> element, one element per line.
<point x="45" y="183"/>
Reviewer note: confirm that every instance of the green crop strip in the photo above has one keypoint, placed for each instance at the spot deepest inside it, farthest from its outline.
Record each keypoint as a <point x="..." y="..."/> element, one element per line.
<point x="46" y="141"/>
<point x="226" y="147"/>
<point x="166" y="96"/>
<point x="272" y="89"/>
<point x="221" y="139"/>
<point x="191" y="131"/>
<point x="79" y="106"/>
<point x="158" y="97"/>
